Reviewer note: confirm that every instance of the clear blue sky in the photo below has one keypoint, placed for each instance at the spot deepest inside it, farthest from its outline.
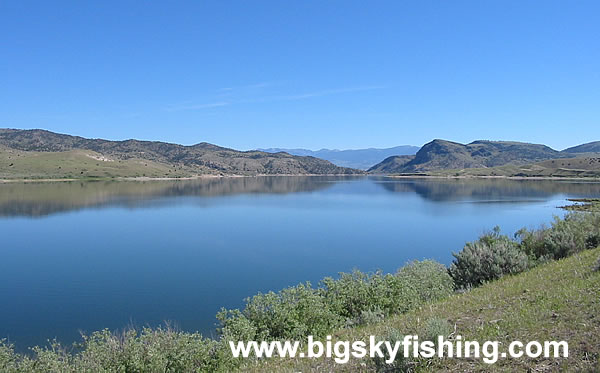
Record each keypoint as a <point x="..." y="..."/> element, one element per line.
<point x="303" y="73"/>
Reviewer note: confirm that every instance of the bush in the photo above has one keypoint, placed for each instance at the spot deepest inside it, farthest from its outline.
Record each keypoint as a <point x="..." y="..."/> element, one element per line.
<point x="354" y="298"/>
<point x="429" y="280"/>
<point x="352" y="293"/>
<point x="435" y="328"/>
<point x="489" y="258"/>
<point x="575" y="233"/>
<point x="235" y="326"/>
<point x="401" y="364"/>
<point x="367" y="317"/>
<point x="53" y="358"/>
<point x="413" y="285"/>
<point x="292" y="313"/>
<point x="151" y="350"/>
<point x="8" y="359"/>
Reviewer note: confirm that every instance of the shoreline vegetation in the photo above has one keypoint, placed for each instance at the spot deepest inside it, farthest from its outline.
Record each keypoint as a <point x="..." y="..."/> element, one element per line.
<point x="583" y="204"/>
<point x="550" y="275"/>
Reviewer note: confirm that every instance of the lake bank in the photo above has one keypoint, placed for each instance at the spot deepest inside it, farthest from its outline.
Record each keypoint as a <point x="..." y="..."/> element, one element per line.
<point x="195" y="177"/>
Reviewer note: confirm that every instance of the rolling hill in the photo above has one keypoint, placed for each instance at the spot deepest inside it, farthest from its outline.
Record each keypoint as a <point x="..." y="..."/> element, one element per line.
<point x="45" y="154"/>
<point x="590" y="147"/>
<point x="563" y="167"/>
<point x="446" y="155"/>
<point x="353" y="158"/>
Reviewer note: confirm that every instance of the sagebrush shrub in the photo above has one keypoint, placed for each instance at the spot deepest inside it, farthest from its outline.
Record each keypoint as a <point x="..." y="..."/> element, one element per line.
<point x="354" y="298"/>
<point x="489" y="258"/>
<point x="8" y="358"/>
<point x="367" y="317"/>
<point x="401" y="364"/>
<point x="352" y="293"/>
<point x="565" y="237"/>
<point x="428" y="279"/>
<point x="292" y="313"/>
<point x="150" y="350"/>
<point x="435" y="328"/>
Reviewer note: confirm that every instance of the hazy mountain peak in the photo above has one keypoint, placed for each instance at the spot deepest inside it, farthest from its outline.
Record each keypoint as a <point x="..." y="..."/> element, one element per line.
<point x="353" y="158"/>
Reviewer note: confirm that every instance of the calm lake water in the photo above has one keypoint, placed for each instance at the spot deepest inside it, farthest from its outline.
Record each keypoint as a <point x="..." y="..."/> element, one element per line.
<point x="87" y="256"/>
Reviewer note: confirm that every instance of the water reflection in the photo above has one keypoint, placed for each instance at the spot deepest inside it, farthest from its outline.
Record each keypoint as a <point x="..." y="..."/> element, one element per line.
<point x="489" y="189"/>
<point x="42" y="199"/>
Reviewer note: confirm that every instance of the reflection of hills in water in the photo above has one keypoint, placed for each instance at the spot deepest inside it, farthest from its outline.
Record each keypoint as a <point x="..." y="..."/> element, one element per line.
<point x="40" y="199"/>
<point x="489" y="189"/>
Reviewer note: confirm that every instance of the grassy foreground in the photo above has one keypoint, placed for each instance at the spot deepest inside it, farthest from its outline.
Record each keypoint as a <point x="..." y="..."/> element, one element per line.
<point x="559" y="300"/>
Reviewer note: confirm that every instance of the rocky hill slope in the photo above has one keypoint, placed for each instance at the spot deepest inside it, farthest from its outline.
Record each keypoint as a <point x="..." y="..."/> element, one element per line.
<point x="446" y="155"/>
<point x="41" y="150"/>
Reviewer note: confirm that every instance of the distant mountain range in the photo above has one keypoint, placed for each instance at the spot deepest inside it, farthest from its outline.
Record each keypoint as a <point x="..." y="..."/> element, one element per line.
<point x="40" y="153"/>
<point x="26" y="154"/>
<point x="354" y="158"/>
<point x="446" y="155"/>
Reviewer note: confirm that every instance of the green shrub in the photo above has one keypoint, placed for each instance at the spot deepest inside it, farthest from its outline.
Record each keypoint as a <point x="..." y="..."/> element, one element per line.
<point x="565" y="237"/>
<point x="292" y="313"/>
<point x="352" y="299"/>
<point x="53" y="358"/>
<point x="235" y="326"/>
<point x="8" y="359"/>
<point x="413" y="285"/>
<point x="401" y="364"/>
<point x="151" y="350"/>
<point x="532" y="243"/>
<point x="352" y="293"/>
<point x="367" y="317"/>
<point x="428" y="279"/>
<point x="436" y="327"/>
<point x="489" y="258"/>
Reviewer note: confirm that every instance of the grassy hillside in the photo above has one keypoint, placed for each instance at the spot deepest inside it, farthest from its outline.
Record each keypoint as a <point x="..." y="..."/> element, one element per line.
<point x="555" y="301"/>
<point x="564" y="167"/>
<point x="590" y="147"/>
<point x="44" y="154"/>
<point x="71" y="164"/>
<point x="391" y="164"/>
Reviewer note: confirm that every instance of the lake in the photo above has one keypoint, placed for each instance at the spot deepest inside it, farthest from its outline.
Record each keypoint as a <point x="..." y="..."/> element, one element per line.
<point x="83" y="256"/>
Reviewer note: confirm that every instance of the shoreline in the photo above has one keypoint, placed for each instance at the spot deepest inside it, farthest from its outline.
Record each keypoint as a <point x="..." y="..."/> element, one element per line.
<point x="490" y="177"/>
<point x="145" y="178"/>
<point x="208" y="176"/>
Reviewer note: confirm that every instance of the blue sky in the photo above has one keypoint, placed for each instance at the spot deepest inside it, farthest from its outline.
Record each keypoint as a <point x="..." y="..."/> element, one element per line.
<point x="313" y="74"/>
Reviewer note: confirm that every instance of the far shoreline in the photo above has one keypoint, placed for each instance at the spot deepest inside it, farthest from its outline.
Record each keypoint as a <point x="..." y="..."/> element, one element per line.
<point x="490" y="177"/>
<point x="210" y="176"/>
<point x="145" y="178"/>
